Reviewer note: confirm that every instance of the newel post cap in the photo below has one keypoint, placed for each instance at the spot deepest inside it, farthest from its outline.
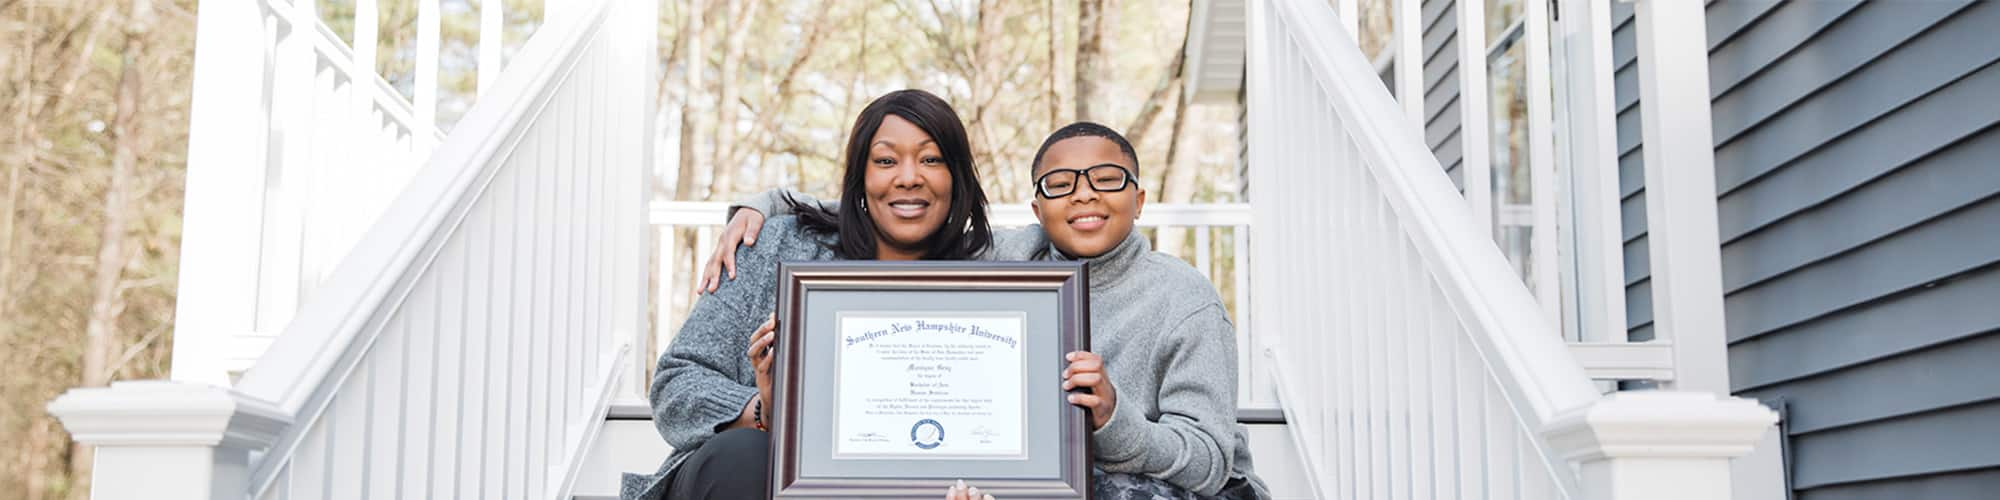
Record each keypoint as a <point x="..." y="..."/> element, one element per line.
<point x="1660" y="424"/>
<point x="165" y="413"/>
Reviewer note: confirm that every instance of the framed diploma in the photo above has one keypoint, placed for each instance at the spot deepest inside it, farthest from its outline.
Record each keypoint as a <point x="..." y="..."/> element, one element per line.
<point x="897" y="379"/>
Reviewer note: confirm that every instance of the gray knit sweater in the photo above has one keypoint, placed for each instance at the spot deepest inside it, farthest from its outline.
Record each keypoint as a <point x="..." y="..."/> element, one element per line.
<point x="704" y="380"/>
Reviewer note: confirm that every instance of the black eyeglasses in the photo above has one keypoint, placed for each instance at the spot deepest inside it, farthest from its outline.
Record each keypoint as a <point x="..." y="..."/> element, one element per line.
<point x="1104" y="178"/>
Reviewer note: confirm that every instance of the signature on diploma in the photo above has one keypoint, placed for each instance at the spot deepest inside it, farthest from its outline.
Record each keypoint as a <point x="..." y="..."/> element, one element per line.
<point x="984" y="434"/>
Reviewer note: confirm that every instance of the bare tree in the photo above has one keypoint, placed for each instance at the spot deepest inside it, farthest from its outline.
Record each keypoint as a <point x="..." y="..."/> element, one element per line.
<point x="726" y="159"/>
<point x="128" y="139"/>
<point x="1169" y="80"/>
<point x="1089" y="48"/>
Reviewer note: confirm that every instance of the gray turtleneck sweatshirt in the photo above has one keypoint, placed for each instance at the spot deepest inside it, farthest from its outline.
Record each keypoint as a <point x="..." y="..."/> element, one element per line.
<point x="1168" y="347"/>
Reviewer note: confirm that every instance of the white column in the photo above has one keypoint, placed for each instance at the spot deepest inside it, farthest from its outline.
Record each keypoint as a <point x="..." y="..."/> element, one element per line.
<point x="1475" y="121"/>
<point x="1409" y="69"/>
<point x="1648" y="445"/>
<point x="1680" y="192"/>
<point x="489" y="44"/>
<point x="428" y="27"/>
<point x="297" y="90"/>
<point x="639" y="21"/>
<point x="225" y="189"/>
<point x="169" y="440"/>
<point x="1681" y="216"/>
<point x="1592" y="140"/>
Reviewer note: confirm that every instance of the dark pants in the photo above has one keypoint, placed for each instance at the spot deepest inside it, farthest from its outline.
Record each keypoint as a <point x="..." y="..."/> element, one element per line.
<point x="1121" y="486"/>
<point x="733" y="464"/>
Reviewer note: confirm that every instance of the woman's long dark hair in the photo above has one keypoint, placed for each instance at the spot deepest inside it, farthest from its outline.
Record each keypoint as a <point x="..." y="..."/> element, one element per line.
<point x="964" y="233"/>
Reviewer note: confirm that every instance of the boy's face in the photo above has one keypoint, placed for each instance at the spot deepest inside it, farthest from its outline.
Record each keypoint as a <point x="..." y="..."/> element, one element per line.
<point x="1087" y="222"/>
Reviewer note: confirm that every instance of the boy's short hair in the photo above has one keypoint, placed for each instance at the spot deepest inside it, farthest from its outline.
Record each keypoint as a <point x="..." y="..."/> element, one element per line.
<point x="1086" y="129"/>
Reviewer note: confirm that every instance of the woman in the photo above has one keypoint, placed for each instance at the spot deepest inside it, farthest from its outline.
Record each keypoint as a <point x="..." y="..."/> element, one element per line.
<point x="909" y="168"/>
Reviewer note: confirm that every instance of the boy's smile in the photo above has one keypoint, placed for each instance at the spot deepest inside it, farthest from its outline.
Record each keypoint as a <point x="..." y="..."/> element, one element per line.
<point x="1087" y="223"/>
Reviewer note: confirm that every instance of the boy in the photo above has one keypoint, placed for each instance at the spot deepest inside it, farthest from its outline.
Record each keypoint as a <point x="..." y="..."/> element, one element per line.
<point x="1162" y="365"/>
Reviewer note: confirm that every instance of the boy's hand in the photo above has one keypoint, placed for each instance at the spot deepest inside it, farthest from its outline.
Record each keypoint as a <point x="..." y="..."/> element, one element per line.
<point x="1086" y="370"/>
<point x="743" y="229"/>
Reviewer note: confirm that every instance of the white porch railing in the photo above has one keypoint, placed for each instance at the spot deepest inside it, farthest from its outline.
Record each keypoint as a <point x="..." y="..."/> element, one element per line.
<point x="469" y="344"/>
<point x="298" y="147"/>
<point x="1218" y="230"/>
<point x="1410" y="361"/>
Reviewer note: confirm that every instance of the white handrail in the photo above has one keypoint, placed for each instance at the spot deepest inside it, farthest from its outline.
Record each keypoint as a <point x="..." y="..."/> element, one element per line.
<point x="1429" y="209"/>
<point x="289" y="120"/>
<point x="515" y="173"/>
<point x="470" y="344"/>
<point x="1410" y="361"/>
<point x="1367" y="379"/>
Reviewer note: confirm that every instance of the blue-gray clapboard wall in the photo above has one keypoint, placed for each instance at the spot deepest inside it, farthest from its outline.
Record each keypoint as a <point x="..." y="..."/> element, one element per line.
<point x="1857" y="166"/>
<point x="1441" y="86"/>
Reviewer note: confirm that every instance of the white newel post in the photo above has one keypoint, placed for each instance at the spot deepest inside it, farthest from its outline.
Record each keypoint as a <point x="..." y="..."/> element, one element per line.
<point x="169" y="440"/>
<point x="1659" y="445"/>
<point x="225" y="189"/>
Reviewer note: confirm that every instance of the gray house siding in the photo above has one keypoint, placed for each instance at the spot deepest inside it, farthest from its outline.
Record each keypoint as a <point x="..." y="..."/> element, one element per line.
<point x="1441" y="86"/>
<point x="1858" y="175"/>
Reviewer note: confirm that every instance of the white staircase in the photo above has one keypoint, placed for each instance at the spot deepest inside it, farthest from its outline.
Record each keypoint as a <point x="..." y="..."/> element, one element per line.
<point x="469" y="344"/>
<point x="477" y="337"/>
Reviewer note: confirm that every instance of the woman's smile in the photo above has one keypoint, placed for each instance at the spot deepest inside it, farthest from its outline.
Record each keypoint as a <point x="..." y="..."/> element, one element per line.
<point x="909" y="208"/>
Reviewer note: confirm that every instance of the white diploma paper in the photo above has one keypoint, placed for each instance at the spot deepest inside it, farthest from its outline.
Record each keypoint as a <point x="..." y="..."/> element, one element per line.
<point x="930" y="385"/>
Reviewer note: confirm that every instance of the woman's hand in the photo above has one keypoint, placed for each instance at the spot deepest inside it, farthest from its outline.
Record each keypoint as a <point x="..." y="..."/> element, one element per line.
<point x="1086" y="370"/>
<point x="962" y="492"/>
<point x="761" y="358"/>
<point x="743" y="229"/>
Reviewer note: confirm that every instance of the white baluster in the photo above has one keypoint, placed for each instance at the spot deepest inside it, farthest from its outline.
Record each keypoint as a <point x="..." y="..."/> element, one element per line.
<point x="429" y="21"/>
<point x="1409" y="67"/>
<point x="1350" y="17"/>
<point x="490" y="34"/>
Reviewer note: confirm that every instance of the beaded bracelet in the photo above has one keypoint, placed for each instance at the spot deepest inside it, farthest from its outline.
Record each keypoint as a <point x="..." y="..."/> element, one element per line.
<point x="758" y="416"/>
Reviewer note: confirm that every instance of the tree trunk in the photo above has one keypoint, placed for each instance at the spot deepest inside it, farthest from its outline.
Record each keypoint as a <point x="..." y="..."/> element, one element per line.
<point x="101" y="329"/>
<point x="691" y="31"/>
<point x="672" y="52"/>
<point x="1177" y="178"/>
<point x="23" y="152"/>
<point x="1049" y="19"/>
<point x="691" y="165"/>
<point x="742" y="14"/>
<point x="1089" y="46"/>
<point x="35" y="459"/>
<point x="1136" y="133"/>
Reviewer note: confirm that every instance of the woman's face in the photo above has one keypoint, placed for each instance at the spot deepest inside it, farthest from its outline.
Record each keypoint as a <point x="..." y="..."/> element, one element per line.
<point x="908" y="188"/>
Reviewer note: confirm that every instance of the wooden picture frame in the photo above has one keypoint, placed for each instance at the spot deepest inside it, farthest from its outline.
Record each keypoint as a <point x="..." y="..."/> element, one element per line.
<point x="803" y="464"/>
